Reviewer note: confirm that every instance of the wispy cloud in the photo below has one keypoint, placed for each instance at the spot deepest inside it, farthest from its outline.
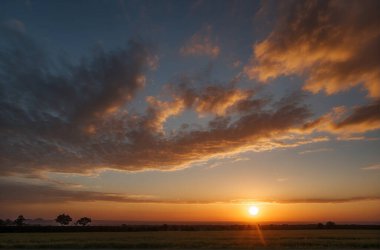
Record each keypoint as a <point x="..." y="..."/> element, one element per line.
<point x="216" y="99"/>
<point x="318" y="150"/>
<point x="214" y="165"/>
<point x="237" y="159"/>
<point x="282" y="179"/>
<point x="372" y="167"/>
<point x="201" y="43"/>
<point x="21" y="192"/>
<point x="346" y="137"/>
<point x="18" y="192"/>
<point x="314" y="200"/>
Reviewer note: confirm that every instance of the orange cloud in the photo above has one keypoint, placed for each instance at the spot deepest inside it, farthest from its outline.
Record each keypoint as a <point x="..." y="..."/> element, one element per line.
<point x="340" y="121"/>
<point x="335" y="44"/>
<point x="218" y="100"/>
<point x="222" y="136"/>
<point x="363" y="118"/>
<point x="135" y="143"/>
<point x="159" y="111"/>
<point x="201" y="43"/>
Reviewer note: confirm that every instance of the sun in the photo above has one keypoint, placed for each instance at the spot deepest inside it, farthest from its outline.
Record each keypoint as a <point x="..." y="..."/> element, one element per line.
<point x="253" y="210"/>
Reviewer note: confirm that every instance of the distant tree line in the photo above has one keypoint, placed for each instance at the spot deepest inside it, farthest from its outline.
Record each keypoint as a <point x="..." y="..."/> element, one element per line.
<point x="19" y="225"/>
<point x="62" y="219"/>
<point x="328" y="225"/>
<point x="166" y="227"/>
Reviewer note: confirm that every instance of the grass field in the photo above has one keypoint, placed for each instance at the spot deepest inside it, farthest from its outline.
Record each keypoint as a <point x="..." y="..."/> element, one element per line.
<point x="274" y="239"/>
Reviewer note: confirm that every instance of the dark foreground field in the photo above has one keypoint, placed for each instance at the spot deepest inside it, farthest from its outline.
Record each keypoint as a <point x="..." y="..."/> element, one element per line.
<point x="274" y="239"/>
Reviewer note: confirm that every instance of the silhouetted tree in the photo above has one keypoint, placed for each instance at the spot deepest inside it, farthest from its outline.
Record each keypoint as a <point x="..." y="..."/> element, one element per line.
<point x="63" y="219"/>
<point x="320" y="225"/>
<point x="2" y="222"/>
<point x="83" y="221"/>
<point x="8" y="222"/>
<point x="20" y="221"/>
<point x="330" y="224"/>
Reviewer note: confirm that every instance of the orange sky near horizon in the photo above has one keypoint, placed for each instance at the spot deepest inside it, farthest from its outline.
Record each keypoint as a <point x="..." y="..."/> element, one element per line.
<point x="360" y="212"/>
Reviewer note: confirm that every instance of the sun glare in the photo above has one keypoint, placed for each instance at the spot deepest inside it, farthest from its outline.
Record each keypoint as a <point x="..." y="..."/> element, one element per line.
<point x="253" y="210"/>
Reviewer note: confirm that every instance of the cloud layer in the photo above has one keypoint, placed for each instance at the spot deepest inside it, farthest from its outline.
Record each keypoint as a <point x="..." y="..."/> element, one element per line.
<point x="29" y="193"/>
<point x="75" y="117"/>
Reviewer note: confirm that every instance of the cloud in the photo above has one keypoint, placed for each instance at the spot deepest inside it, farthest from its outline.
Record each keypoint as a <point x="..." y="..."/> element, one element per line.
<point x="201" y="43"/>
<point x="217" y="99"/>
<point x="288" y="140"/>
<point x="282" y="179"/>
<point x="30" y="193"/>
<point x="342" y="121"/>
<point x="214" y="165"/>
<point x="334" y="44"/>
<point x="237" y="159"/>
<point x="362" y="118"/>
<point x="349" y="137"/>
<point x="159" y="111"/>
<point x="316" y="151"/>
<point x="372" y="167"/>
<point x="131" y="145"/>
<point x="21" y="193"/>
<point x="34" y="91"/>
<point x="322" y="200"/>
<point x="46" y="106"/>
<point x="222" y="136"/>
<point x="75" y="118"/>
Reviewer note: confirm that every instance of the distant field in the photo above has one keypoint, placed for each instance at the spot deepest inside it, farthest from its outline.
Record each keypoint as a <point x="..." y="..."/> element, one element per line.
<point x="274" y="239"/>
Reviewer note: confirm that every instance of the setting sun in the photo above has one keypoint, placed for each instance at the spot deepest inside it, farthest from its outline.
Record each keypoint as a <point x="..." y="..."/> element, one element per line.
<point x="253" y="210"/>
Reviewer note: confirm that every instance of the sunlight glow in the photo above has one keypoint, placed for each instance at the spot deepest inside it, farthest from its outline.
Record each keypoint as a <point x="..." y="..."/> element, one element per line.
<point x="253" y="210"/>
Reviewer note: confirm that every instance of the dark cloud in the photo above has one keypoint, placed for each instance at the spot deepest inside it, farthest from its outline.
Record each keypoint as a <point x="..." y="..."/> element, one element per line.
<point x="46" y="107"/>
<point x="18" y="192"/>
<point x="35" y="91"/>
<point x="223" y="135"/>
<point x="75" y="118"/>
<point x="366" y="116"/>
<point x="340" y="120"/>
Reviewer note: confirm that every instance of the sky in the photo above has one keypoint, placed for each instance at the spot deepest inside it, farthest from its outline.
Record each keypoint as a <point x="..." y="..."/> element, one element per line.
<point x="190" y="110"/>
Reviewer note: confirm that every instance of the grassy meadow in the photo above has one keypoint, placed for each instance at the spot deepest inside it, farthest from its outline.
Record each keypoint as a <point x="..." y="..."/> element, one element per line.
<point x="274" y="239"/>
